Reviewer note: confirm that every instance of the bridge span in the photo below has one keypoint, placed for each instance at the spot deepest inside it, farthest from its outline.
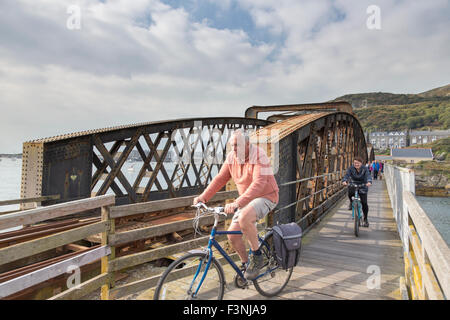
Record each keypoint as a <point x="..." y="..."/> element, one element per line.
<point x="80" y="208"/>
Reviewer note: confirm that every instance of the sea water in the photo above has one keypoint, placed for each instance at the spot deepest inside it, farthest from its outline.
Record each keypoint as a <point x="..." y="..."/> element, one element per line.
<point x="438" y="210"/>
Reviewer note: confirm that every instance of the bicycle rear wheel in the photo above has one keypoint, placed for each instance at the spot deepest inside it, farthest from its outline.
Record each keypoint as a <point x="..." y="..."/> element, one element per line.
<point x="273" y="279"/>
<point x="181" y="279"/>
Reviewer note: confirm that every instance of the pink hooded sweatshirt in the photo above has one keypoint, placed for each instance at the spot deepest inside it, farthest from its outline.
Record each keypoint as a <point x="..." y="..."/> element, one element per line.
<point x="253" y="179"/>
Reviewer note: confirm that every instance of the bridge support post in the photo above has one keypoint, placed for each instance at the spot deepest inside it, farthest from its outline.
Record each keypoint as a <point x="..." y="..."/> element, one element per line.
<point x="110" y="282"/>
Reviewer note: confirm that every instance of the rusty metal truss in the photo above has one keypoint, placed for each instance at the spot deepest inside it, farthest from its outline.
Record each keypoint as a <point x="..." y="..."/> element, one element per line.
<point x="315" y="149"/>
<point x="173" y="158"/>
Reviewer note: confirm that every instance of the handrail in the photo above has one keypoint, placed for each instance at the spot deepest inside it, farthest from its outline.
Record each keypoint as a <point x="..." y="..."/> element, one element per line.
<point x="310" y="178"/>
<point x="58" y="210"/>
<point x="430" y="253"/>
<point x="26" y="200"/>
<point x="303" y="199"/>
<point x="157" y="205"/>
<point x="426" y="255"/>
<point x="50" y="242"/>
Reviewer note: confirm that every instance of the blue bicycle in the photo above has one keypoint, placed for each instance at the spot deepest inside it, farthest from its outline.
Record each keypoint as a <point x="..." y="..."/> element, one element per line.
<point x="198" y="274"/>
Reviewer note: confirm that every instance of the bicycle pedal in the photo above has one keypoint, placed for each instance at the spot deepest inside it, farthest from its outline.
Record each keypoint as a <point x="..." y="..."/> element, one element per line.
<point x="240" y="283"/>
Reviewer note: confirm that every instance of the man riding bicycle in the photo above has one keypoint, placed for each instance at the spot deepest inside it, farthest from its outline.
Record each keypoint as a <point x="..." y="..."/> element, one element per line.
<point x="359" y="174"/>
<point x="249" y="167"/>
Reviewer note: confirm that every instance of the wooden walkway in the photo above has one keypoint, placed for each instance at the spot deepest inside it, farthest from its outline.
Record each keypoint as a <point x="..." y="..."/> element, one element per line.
<point x="337" y="265"/>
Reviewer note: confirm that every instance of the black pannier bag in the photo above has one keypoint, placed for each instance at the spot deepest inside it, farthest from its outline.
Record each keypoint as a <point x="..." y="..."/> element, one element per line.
<point x="287" y="240"/>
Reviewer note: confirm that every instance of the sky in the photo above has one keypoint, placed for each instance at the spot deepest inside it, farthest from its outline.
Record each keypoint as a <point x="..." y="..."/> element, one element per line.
<point x="72" y="65"/>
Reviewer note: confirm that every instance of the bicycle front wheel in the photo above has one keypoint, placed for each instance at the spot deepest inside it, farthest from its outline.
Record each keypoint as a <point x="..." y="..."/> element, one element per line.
<point x="357" y="210"/>
<point x="182" y="277"/>
<point x="272" y="279"/>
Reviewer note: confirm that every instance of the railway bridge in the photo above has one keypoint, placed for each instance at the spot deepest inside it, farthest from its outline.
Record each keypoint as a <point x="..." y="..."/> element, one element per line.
<point x="84" y="203"/>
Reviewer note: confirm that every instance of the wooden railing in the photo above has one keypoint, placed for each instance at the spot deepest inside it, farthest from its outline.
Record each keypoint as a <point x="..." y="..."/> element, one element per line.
<point x="426" y="255"/>
<point x="110" y="264"/>
<point x="427" y="258"/>
<point x="36" y="201"/>
<point x="43" y="244"/>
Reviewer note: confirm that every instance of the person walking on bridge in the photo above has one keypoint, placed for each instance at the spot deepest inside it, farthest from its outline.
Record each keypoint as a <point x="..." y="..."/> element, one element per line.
<point x="250" y="169"/>
<point x="359" y="174"/>
<point x="376" y="168"/>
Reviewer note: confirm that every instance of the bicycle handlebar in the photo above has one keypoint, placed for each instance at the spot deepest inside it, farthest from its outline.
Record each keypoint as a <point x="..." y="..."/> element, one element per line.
<point x="212" y="210"/>
<point x="218" y="210"/>
<point x="356" y="185"/>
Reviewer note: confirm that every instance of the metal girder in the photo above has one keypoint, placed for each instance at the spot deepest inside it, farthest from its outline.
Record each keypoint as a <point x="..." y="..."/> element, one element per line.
<point x="341" y="106"/>
<point x="63" y="165"/>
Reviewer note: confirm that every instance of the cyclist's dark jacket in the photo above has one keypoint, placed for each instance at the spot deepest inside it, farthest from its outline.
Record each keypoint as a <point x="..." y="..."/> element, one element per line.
<point x="362" y="177"/>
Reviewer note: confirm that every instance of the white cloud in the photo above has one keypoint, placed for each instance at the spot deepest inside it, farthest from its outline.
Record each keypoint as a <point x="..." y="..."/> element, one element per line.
<point x="143" y="60"/>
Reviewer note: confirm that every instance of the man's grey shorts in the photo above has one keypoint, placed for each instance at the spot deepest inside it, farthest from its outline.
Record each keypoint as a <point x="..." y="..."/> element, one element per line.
<point x="262" y="207"/>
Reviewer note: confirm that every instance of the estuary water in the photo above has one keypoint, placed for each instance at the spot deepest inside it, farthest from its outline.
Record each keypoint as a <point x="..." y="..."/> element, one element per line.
<point x="438" y="210"/>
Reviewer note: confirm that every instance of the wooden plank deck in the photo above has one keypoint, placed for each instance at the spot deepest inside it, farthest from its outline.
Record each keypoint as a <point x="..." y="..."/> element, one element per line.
<point x="337" y="265"/>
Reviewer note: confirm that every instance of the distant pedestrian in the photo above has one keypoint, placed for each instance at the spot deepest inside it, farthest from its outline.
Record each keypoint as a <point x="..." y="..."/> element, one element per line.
<point x="375" y="168"/>
<point x="381" y="170"/>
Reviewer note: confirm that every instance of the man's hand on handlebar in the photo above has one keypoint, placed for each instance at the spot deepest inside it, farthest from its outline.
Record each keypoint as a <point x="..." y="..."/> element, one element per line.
<point x="198" y="199"/>
<point x="231" y="207"/>
<point x="344" y="183"/>
<point x="368" y="184"/>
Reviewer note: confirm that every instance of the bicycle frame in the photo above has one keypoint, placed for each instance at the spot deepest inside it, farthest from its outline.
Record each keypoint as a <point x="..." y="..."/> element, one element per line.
<point x="355" y="203"/>
<point x="213" y="242"/>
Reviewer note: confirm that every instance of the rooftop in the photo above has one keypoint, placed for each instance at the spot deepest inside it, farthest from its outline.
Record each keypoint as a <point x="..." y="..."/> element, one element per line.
<point x="382" y="157"/>
<point x="431" y="133"/>
<point x="412" y="153"/>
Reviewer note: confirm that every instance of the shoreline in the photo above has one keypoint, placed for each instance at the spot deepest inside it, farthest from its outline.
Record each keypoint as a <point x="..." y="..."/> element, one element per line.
<point x="11" y="155"/>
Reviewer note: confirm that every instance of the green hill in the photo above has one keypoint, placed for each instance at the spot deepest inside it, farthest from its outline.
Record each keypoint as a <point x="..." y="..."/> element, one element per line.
<point x="360" y="100"/>
<point x="443" y="91"/>
<point x="422" y="115"/>
<point x="382" y="111"/>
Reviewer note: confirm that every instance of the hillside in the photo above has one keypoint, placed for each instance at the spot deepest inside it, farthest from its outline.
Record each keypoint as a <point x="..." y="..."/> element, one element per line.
<point x="441" y="91"/>
<point x="423" y="115"/>
<point x="383" y="111"/>
<point x="360" y="100"/>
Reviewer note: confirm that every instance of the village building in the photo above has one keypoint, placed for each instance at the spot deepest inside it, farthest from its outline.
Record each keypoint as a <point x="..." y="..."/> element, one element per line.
<point x="423" y="137"/>
<point x="387" y="140"/>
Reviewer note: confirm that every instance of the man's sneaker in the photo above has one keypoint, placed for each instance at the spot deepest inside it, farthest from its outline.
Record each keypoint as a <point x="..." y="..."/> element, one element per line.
<point x="366" y="223"/>
<point x="255" y="264"/>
